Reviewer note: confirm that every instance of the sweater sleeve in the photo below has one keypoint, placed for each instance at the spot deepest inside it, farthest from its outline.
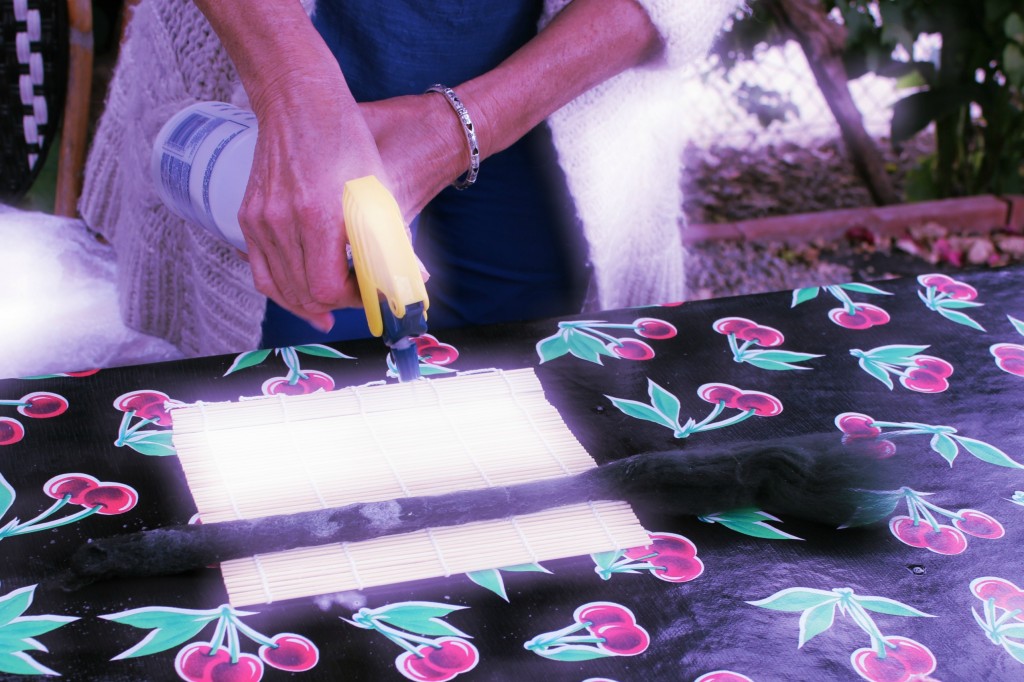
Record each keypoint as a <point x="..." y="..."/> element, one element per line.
<point x="687" y="27"/>
<point x="620" y="145"/>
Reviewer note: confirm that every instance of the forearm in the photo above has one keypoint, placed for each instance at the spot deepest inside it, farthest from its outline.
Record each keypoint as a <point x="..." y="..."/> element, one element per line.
<point x="589" y="42"/>
<point x="277" y="51"/>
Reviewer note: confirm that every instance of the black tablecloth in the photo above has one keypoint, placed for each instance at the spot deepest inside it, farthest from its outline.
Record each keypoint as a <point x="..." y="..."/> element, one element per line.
<point x="929" y="370"/>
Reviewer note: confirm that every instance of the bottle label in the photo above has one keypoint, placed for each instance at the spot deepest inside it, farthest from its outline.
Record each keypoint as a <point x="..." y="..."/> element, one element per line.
<point x="186" y="150"/>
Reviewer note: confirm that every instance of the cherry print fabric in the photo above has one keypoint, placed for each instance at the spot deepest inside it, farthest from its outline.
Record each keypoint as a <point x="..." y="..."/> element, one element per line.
<point x="926" y="583"/>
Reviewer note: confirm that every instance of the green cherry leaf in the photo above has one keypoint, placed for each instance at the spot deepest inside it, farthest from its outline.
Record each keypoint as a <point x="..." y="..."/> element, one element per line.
<point x="1015" y="630"/>
<point x="19" y="663"/>
<point x="664" y="402"/>
<point x="953" y="304"/>
<point x="960" y="318"/>
<point x="758" y="529"/>
<point x="816" y="620"/>
<point x="426" y="369"/>
<point x="777" y="359"/>
<point x="987" y="453"/>
<point x="639" y="410"/>
<point x="489" y="579"/>
<point x="321" y="351"/>
<point x="15" y="603"/>
<point x="163" y="638"/>
<point x="876" y="371"/>
<point x="804" y="295"/>
<point x="895" y="354"/>
<point x="604" y="560"/>
<point x="552" y="347"/>
<point x="945" y="446"/>
<point x="586" y="347"/>
<point x="419" y="617"/>
<point x="861" y="288"/>
<point x="1017" y="324"/>
<point x="889" y="606"/>
<point x="149" y="617"/>
<point x="572" y="654"/>
<point x="31" y="626"/>
<point x="878" y="506"/>
<point x="1015" y="649"/>
<point x="796" y="599"/>
<point x="249" y="359"/>
<point x="152" y="443"/>
<point x="7" y="495"/>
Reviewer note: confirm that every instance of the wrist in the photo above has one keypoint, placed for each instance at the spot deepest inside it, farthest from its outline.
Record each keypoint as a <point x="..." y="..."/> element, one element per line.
<point x="467" y="127"/>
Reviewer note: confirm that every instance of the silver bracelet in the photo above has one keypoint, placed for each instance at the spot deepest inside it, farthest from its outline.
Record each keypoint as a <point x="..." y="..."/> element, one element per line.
<point x="469" y="177"/>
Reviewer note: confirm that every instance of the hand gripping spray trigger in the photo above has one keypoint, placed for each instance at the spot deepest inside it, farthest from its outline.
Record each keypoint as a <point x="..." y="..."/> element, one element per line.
<point x="200" y="165"/>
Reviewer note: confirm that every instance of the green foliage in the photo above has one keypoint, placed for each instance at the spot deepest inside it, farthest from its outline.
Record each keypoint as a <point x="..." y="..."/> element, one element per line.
<point x="971" y="90"/>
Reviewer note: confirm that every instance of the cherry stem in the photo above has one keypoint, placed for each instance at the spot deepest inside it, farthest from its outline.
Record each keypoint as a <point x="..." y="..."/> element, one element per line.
<point x="607" y="337"/>
<point x="711" y="417"/>
<point x="736" y="419"/>
<point x="234" y="646"/>
<point x="842" y="297"/>
<point x="394" y="634"/>
<point x="57" y="504"/>
<point x="937" y="509"/>
<point x="24" y="528"/>
<point x="249" y="632"/>
<point x="865" y="623"/>
<point x="746" y="345"/>
<point x="291" y="360"/>
<point x="14" y="403"/>
<point x="1009" y="615"/>
<point x="217" y="641"/>
<point x="582" y="639"/>
<point x="548" y="638"/>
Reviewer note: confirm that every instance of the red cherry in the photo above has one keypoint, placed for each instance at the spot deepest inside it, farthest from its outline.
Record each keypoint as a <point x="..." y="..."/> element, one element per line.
<point x="762" y="404"/>
<point x="947" y="540"/>
<point x="677" y="569"/>
<point x="42" y="405"/>
<point x="1006" y="351"/>
<point x="112" y="499"/>
<point x="75" y="485"/>
<point x="869" y="447"/>
<point x="416" y="667"/>
<point x="857" y="425"/>
<point x="622" y="639"/>
<point x="652" y="328"/>
<point x="135" y="400"/>
<point x="194" y="662"/>
<point x="664" y="544"/>
<point x="597" y="613"/>
<point x="997" y="588"/>
<point x="291" y="652"/>
<point x="425" y="340"/>
<point x="716" y="393"/>
<point x="247" y="668"/>
<point x="923" y="381"/>
<point x="908" y="532"/>
<point x="452" y="655"/>
<point x="934" y="280"/>
<point x="960" y="291"/>
<point x="936" y="366"/>
<point x="11" y="431"/>
<point x="979" y="524"/>
<point x="732" y="325"/>
<point x="864" y="317"/>
<point x="313" y="381"/>
<point x="82" y="373"/>
<point x="901" y="663"/>
<point x="723" y="676"/>
<point x="763" y="336"/>
<point x="631" y="349"/>
<point x="438" y="354"/>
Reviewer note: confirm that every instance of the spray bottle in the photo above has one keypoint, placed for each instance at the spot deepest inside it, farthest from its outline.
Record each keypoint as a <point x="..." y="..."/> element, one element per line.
<point x="201" y="163"/>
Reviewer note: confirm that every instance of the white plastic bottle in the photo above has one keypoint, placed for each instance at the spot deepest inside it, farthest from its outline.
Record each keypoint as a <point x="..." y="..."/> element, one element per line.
<point x="201" y="163"/>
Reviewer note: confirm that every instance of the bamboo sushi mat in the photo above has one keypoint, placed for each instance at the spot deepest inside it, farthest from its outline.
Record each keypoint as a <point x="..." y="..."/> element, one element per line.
<point x="284" y="454"/>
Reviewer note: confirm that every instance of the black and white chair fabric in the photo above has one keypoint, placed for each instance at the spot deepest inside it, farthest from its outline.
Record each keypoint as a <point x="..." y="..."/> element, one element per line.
<point x="33" y="80"/>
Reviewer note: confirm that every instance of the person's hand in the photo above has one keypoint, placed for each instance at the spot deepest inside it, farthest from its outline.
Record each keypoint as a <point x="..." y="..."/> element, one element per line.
<point x="312" y="139"/>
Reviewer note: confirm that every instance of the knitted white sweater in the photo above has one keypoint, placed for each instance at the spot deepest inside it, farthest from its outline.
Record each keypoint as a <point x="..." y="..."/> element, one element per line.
<point x="619" y="144"/>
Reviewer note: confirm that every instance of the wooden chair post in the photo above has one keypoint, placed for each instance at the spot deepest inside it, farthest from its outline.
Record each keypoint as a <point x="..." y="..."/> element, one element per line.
<point x="76" y="109"/>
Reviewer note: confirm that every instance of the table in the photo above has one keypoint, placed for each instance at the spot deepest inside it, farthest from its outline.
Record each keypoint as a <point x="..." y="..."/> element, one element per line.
<point x="927" y="369"/>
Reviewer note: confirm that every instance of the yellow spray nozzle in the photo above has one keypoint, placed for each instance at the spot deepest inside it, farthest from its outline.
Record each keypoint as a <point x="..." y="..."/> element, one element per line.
<point x="382" y="253"/>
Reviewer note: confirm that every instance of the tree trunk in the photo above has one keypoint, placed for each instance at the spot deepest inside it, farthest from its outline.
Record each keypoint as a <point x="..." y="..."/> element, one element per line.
<point x="823" y="42"/>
